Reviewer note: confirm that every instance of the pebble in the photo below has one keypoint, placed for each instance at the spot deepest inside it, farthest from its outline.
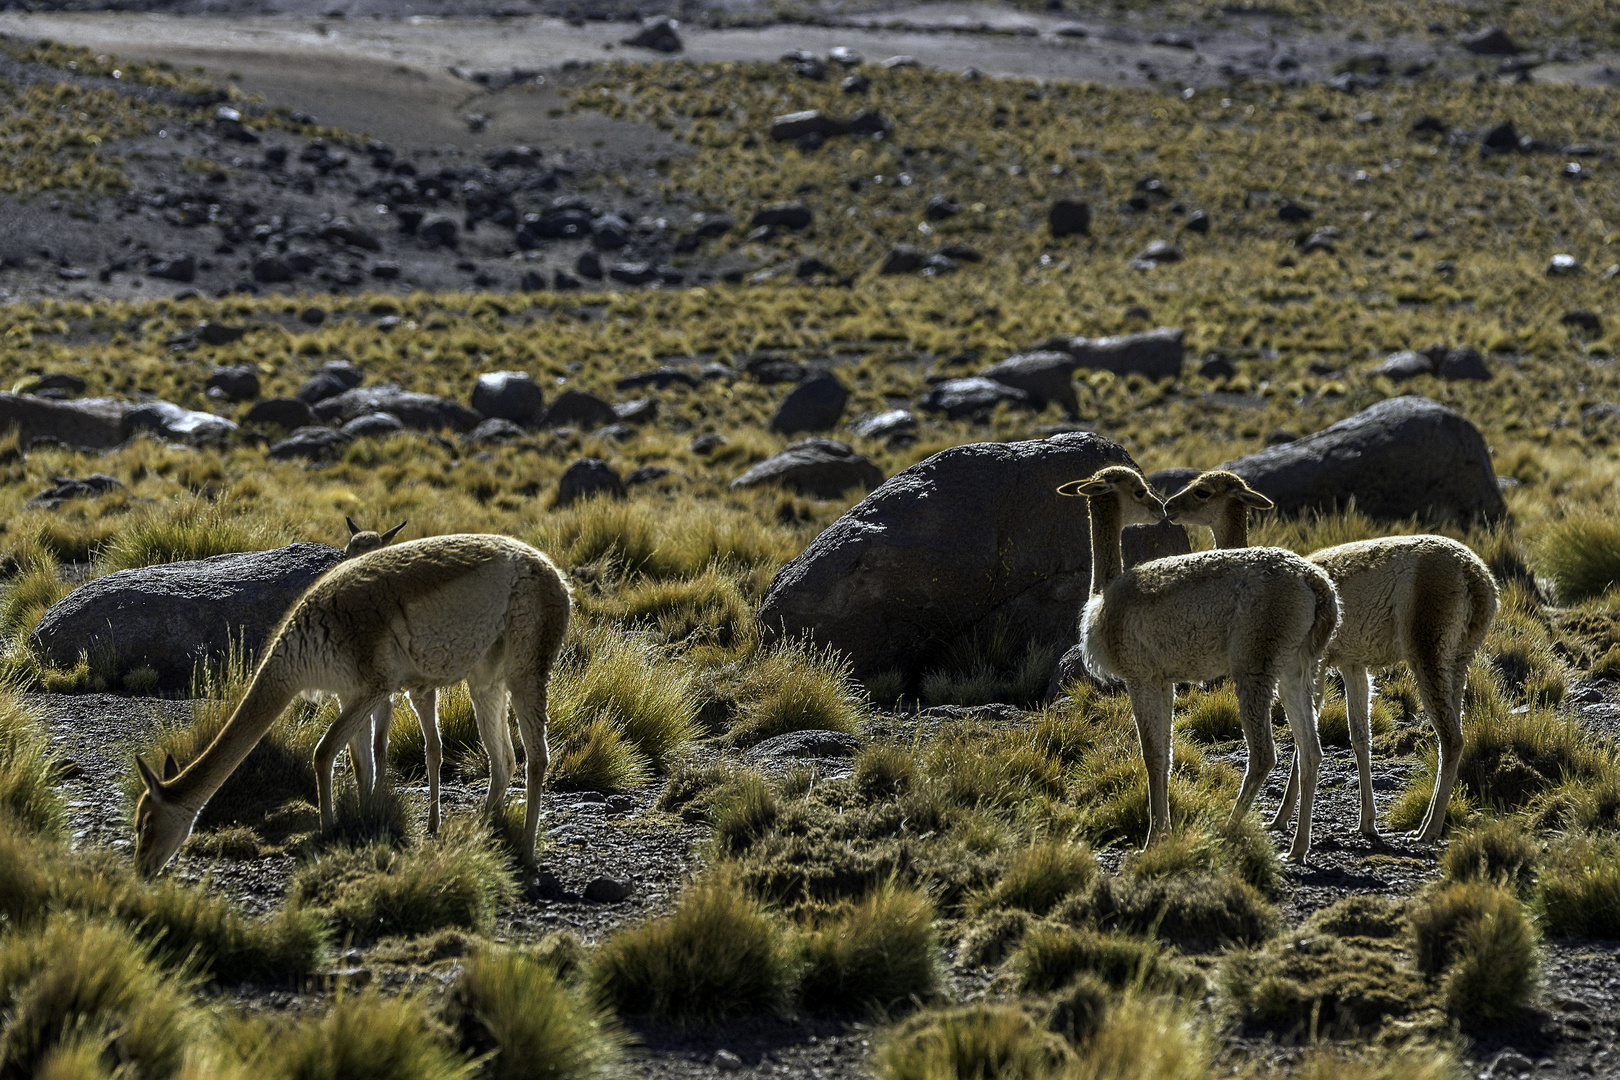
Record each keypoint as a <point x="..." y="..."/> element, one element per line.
<point x="726" y="1061"/>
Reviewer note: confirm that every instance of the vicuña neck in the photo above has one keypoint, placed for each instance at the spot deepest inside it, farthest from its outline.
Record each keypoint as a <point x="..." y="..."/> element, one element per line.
<point x="1233" y="530"/>
<point x="266" y="698"/>
<point x="1106" y="561"/>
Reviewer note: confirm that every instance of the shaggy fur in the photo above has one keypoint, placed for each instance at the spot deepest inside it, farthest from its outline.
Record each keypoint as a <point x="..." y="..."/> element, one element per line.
<point x="1262" y="616"/>
<point x="424" y="614"/>
<point x="1425" y="600"/>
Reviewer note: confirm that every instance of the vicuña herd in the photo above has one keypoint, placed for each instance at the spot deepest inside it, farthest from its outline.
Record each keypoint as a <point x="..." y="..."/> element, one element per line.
<point x="493" y="611"/>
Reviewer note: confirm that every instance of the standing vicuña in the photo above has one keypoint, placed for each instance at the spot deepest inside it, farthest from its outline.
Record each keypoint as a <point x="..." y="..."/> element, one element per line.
<point x="1262" y="616"/>
<point x="425" y="614"/>
<point x="1426" y="600"/>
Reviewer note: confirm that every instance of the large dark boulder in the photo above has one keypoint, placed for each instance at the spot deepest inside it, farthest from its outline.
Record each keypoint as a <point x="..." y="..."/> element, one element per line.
<point x="1403" y="456"/>
<point x="424" y="412"/>
<point x="1156" y="354"/>
<point x="817" y="404"/>
<point x="819" y="467"/>
<point x="1045" y="376"/>
<point x="586" y="477"/>
<point x="330" y="380"/>
<point x="576" y="408"/>
<point x="284" y="412"/>
<point x="509" y="395"/>
<point x="88" y="424"/>
<point x="171" y="616"/>
<point x="971" y="537"/>
<point x="973" y="397"/>
<point x="170" y="421"/>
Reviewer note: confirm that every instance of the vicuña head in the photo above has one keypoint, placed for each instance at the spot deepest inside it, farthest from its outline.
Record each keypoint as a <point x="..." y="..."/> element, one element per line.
<point x="1220" y="501"/>
<point x="364" y="540"/>
<point x="161" y="823"/>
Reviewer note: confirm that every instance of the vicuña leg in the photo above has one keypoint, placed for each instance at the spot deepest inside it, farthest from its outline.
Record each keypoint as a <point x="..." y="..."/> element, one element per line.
<point x="425" y="704"/>
<point x="529" y="703"/>
<point x="1254" y="714"/>
<point x="1300" y="704"/>
<point x="352" y="721"/>
<point x="489" y="713"/>
<point x="1358" y="716"/>
<point x="1440" y="687"/>
<point x="1152" y="705"/>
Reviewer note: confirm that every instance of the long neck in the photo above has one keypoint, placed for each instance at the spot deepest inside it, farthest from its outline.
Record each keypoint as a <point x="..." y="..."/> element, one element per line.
<point x="266" y="698"/>
<point x="1233" y="529"/>
<point x="1106" y="561"/>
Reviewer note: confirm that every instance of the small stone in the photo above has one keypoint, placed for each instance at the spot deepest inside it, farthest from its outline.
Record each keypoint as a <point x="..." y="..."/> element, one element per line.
<point x="726" y="1061"/>
<point x="707" y="443"/>
<point x="903" y="259"/>
<point x="1464" y="362"/>
<point x="844" y="55"/>
<point x="1197" y="221"/>
<point x="588" y="476"/>
<point x="1510" y="1063"/>
<point x="1404" y="365"/>
<point x="939" y="208"/>
<point x="1069" y="217"/>
<point x="1562" y="264"/>
<point x="785" y="215"/>
<point x="1216" y="366"/>
<point x="1582" y="319"/>
<point x="657" y="33"/>
<point x="1159" y="251"/>
<point x="1491" y="41"/>
<point x="1293" y="211"/>
<point x="605" y="890"/>
<point x="238" y="383"/>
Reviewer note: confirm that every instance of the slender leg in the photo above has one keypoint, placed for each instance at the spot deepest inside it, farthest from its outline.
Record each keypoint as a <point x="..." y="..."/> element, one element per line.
<point x="351" y="723"/>
<point x="1358" y="714"/>
<point x="529" y="702"/>
<point x="1300" y="705"/>
<point x="381" y="722"/>
<point x="425" y="704"/>
<point x="489" y="712"/>
<point x="1152" y="706"/>
<point x="1440" y="686"/>
<point x="1254" y="713"/>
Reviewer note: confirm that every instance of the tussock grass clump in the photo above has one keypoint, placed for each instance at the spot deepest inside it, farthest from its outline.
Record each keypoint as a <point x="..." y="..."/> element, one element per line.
<point x="1309" y="983"/>
<point x="1039" y="877"/>
<point x="1078" y="1011"/>
<point x="1375" y="917"/>
<point x="28" y="772"/>
<point x="1333" y="718"/>
<point x="458" y="880"/>
<point x="1521" y="651"/>
<point x="75" y="980"/>
<point x="533" y="1026"/>
<point x="1210" y="716"/>
<point x="872" y="952"/>
<point x="990" y="664"/>
<point x="709" y="609"/>
<point x="1500" y="850"/>
<point x="182" y="533"/>
<point x="1474" y="937"/>
<point x="27" y="596"/>
<point x="885" y="770"/>
<point x="364" y="1036"/>
<point x="743" y="813"/>
<point x="379" y="816"/>
<point x="1582" y="556"/>
<point x="992" y="936"/>
<point x="1411" y="1062"/>
<point x="648" y="698"/>
<point x="1242" y="846"/>
<point x="1194" y="912"/>
<point x="981" y="1041"/>
<point x="1578" y="888"/>
<point x="690" y="789"/>
<point x="798" y="687"/>
<point x="717" y="955"/>
<point x="1052" y="955"/>
<point x="662" y="540"/>
<point x="1144" y="1037"/>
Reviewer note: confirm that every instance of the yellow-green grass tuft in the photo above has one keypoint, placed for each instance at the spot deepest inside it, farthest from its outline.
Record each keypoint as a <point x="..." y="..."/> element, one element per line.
<point x="1038" y="878"/>
<point x="717" y="955"/>
<point x="363" y="1036"/>
<point x="1475" y="938"/>
<point x="29" y="774"/>
<point x="1500" y="850"/>
<point x="797" y="687"/>
<point x="182" y="533"/>
<point x="873" y="952"/>
<point x="519" y="1015"/>
<point x="973" y="1041"/>
<point x="1581" y="554"/>
<point x="459" y="880"/>
<point x="1052" y="956"/>
<point x="1578" y="888"/>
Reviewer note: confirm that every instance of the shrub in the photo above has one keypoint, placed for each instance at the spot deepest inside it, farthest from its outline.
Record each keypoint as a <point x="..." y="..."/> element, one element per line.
<point x="875" y="951"/>
<point x="1305" y="984"/>
<point x="797" y="687"/>
<point x="743" y="813"/>
<point x="459" y="880"/>
<point x="1582" y="556"/>
<point x="717" y="955"/>
<point x="690" y="789"/>
<point x="1499" y="850"/>
<point x="363" y="1036"/>
<point x="1052" y="955"/>
<point x="1038" y="878"/>
<point x="518" y="1011"/>
<point x="973" y="1042"/>
<point x="1475" y="938"/>
<point x="649" y="699"/>
<point x="1078" y="1011"/>
<point x="195" y="530"/>
<point x="1578" y="888"/>
<point x="991" y="936"/>
<point x="76" y="979"/>
<point x="29" y="595"/>
<point x="28" y="772"/>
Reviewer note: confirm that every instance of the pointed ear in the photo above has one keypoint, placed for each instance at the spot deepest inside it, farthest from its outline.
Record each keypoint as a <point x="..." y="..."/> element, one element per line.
<point x="171" y="768"/>
<point x="391" y="533"/>
<point x="353" y="528"/>
<point x="1253" y="498"/>
<point x="1077" y="488"/>
<point x="150" y="778"/>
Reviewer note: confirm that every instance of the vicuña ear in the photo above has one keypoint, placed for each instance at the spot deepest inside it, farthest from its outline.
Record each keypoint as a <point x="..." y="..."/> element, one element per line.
<point x="153" y="785"/>
<point x="1253" y="498"/>
<point x="391" y="533"/>
<point x="353" y="528"/>
<point x="171" y="768"/>
<point x="1072" y="488"/>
